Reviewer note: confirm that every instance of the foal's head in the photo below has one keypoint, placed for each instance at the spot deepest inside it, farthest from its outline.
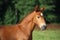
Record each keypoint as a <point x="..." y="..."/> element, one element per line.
<point x="39" y="19"/>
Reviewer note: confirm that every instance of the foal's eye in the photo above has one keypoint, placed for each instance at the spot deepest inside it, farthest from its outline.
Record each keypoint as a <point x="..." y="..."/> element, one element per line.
<point x="38" y="17"/>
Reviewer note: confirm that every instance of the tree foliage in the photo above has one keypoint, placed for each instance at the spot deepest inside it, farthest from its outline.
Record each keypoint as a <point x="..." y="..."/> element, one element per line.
<point x="12" y="11"/>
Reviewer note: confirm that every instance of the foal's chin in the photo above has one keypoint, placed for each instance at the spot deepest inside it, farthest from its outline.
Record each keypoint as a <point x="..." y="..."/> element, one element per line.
<point x="43" y="28"/>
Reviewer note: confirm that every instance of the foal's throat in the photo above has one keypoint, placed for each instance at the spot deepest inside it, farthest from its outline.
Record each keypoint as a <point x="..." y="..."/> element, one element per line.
<point x="28" y="29"/>
<point x="27" y="23"/>
<point x="30" y="26"/>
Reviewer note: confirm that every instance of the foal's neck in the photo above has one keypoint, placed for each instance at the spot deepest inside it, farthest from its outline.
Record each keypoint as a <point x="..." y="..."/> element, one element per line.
<point x="27" y="22"/>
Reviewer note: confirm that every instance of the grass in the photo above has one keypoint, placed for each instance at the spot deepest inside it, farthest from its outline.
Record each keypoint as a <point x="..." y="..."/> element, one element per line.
<point x="46" y="35"/>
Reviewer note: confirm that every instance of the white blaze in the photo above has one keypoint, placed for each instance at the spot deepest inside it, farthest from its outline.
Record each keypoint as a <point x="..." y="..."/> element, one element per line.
<point x="41" y="14"/>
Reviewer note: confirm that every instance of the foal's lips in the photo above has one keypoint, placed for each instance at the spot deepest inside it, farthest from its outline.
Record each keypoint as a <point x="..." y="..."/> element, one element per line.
<point x="43" y="27"/>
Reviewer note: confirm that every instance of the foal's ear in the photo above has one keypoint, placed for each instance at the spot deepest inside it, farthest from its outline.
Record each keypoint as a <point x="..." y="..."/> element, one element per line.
<point x="36" y="8"/>
<point x="42" y="9"/>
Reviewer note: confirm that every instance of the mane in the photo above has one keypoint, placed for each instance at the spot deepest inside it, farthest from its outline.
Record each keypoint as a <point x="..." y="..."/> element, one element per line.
<point x="25" y="16"/>
<point x="28" y="17"/>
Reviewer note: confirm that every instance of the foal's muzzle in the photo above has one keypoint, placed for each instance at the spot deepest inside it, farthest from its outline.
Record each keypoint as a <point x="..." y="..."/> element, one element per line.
<point x="43" y="27"/>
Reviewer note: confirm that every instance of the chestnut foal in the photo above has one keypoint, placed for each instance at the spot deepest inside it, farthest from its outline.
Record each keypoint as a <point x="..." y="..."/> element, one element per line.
<point x="23" y="30"/>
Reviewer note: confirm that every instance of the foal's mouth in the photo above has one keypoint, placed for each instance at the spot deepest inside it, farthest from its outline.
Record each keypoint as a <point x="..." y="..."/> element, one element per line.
<point x="43" y="27"/>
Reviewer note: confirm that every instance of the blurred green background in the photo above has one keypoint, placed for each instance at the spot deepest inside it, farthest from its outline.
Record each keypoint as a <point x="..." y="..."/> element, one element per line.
<point x="12" y="11"/>
<point x="46" y="35"/>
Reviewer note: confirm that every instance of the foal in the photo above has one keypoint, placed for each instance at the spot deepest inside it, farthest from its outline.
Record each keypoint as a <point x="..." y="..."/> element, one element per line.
<point x="23" y="30"/>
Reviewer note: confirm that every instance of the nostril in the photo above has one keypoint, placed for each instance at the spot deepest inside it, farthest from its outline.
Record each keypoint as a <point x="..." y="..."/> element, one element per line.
<point x="43" y="27"/>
